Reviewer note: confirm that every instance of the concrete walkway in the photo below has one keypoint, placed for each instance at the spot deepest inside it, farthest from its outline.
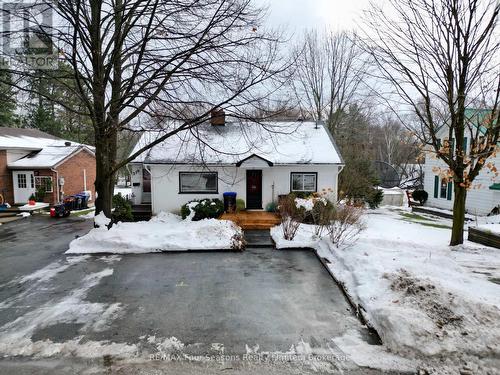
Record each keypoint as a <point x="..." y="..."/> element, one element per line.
<point x="258" y="238"/>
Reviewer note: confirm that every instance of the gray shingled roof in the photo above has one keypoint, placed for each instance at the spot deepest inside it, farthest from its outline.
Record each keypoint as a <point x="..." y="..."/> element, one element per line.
<point x="19" y="132"/>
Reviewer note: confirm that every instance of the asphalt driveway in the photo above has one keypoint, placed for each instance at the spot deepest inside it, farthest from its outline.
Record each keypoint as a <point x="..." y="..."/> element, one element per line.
<point x="148" y="306"/>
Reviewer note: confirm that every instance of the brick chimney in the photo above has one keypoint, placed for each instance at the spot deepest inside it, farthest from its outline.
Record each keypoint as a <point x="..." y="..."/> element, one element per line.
<point x="218" y="117"/>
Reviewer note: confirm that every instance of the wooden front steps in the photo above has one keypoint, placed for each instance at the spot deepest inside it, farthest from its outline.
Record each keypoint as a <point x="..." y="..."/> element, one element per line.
<point x="249" y="220"/>
<point x="142" y="212"/>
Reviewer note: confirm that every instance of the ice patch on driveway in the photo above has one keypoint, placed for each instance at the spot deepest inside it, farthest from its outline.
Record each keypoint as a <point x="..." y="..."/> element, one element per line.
<point x="15" y="336"/>
<point x="50" y="271"/>
<point x="110" y="259"/>
<point x="42" y="276"/>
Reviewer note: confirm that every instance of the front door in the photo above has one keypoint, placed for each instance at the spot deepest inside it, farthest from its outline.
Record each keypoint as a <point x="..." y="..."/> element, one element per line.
<point x="254" y="189"/>
<point x="24" y="185"/>
<point x="146" y="186"/>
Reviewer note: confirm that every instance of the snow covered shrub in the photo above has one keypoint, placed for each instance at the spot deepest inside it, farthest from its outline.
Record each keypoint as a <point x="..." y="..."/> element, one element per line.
<point x="346" y="225"/>
<point x="122" y="209"/>
<point x="303" y="194"/>
<point x="420" y="196"/>
<point x="291" y="216"/>
<point x="318" y="209"/>
<point x="202" y="209"/>
<point x="322" y="213"/>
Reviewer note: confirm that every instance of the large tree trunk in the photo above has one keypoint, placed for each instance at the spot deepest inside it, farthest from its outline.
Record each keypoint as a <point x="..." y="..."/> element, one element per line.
<point x="457" y="231"/>
<point x="105" y="162"/>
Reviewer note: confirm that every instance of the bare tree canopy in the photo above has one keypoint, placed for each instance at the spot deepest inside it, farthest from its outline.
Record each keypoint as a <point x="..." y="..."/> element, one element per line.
<point x="141" y="62"/>
<point x="441" y="57"/>
<point x="330" y="71"/>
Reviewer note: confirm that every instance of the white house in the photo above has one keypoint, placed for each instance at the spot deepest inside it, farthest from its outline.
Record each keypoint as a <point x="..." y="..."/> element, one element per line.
<point x="482" y="198"/>
<point x="257" y="162"/>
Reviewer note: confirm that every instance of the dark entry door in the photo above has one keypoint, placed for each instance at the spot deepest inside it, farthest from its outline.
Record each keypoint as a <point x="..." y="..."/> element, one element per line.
<point x="254" y="189"/>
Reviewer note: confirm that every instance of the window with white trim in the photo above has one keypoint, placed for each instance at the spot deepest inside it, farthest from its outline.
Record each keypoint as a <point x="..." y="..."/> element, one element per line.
<point x="198" y="182"/>
<point x="303" y="182"/>
<point x="21" y="181"/>
<point x="44" y="182"/>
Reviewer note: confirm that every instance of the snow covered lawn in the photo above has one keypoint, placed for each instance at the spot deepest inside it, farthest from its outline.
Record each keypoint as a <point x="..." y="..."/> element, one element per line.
<point x="165" y="232"/>
<point x="424" y="298"/>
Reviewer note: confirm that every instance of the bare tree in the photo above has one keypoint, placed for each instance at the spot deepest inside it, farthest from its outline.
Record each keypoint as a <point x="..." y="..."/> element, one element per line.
<point x="441" y="57"/>
<point x="167" y="64"/>
<point x="329" y="75"/>
<point x="398" y="147"/>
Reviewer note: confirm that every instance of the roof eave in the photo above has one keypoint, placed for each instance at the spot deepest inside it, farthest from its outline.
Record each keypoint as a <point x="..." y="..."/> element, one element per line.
<point x="15" y="167"/>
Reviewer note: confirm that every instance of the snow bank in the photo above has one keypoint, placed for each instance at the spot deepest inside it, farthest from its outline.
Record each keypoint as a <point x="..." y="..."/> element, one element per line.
<point x="101" y="220"/>
<point x="165" y="232"/>
<point x="303" y="238"/>
<point x="424" y="298"/>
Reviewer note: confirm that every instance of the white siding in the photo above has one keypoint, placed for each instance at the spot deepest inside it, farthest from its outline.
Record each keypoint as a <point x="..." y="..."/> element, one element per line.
<point x="275" y="181"/>
<point x="480" y="199"/>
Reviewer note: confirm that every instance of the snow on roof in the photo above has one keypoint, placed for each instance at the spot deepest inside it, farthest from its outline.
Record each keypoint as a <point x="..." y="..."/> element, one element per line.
<point x="277" y="142"/>
<point x="47" y="150"/>
<point x="47" y="157"/>
<point x="31" y="139"/>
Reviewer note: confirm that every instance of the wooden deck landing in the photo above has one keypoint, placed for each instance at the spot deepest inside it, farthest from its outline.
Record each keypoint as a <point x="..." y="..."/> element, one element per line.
<point x="253" y="219"/>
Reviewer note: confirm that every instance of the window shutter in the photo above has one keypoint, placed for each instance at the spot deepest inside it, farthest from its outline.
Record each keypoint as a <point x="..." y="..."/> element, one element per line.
<point x="465" y="145"/>
<point x="449" y="191"/>
<point x="436" y="186"/>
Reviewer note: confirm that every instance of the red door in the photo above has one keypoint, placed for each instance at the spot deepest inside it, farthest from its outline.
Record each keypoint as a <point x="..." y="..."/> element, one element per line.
<point x="254" y="189"/>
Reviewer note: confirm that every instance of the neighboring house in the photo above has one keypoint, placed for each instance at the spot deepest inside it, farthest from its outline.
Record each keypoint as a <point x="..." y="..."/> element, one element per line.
<point x="30" y="159"/>
<point x="484" y="196"/>
<point x="257" y="164"/>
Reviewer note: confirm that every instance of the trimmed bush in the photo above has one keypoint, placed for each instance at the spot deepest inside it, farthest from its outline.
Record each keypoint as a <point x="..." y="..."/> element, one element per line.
<point x="122" y="209"/>
<point x="272" y="207"/>
<point x="420" y="196"/>
<point x="240" y="205"/>
<point x="203" y="209"/>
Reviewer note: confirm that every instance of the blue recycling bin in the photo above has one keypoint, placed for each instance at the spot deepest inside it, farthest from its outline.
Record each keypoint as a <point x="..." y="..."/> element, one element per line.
<point x="229" y="201"/>
<point x="82" y="199"/>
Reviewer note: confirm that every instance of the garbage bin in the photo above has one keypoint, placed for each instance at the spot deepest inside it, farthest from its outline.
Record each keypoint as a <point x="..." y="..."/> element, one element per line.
<point x="229" y="201"/>
<point x="70" y="202"/>
<point x="84" y="197"/>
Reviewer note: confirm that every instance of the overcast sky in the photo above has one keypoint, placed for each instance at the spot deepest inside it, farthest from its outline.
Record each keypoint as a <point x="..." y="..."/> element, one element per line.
<point x="300" y="14"/>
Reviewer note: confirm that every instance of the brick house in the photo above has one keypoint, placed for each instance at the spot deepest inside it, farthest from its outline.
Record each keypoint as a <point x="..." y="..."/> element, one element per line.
<point x="31" y="159"/>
